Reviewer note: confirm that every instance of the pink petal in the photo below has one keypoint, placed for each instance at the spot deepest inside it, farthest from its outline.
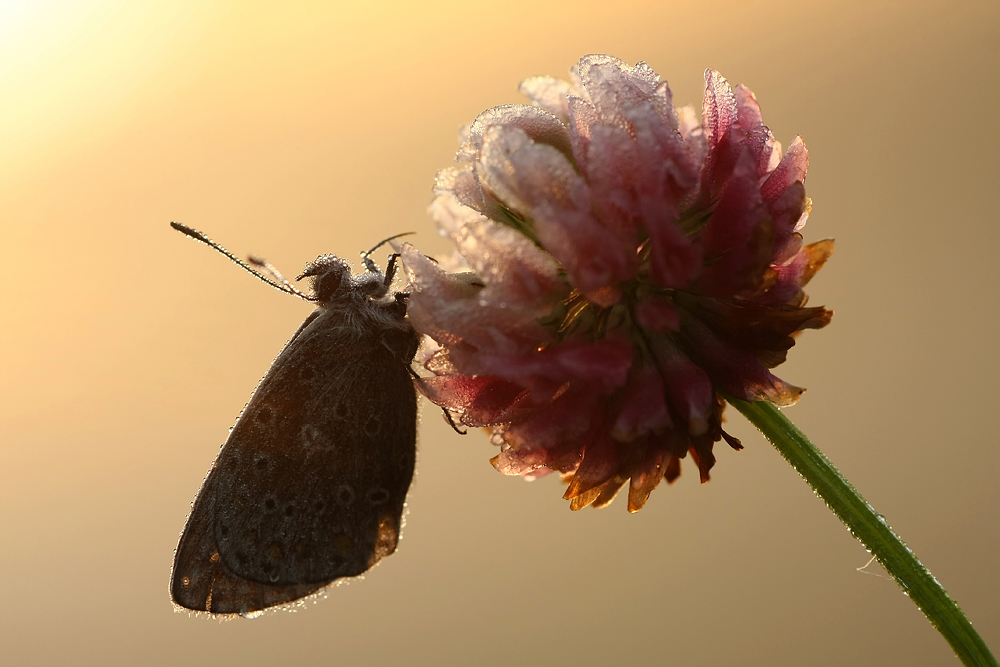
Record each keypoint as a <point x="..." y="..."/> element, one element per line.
<point x="634" y="169"/>
<point x="505" y="259"/>
<point x="548" y="93"/>
<point x="688" y="388"/>
<point x="719" y="107"/>
<point x="794" y="274"/>
<point x="643" y="406"/>
<point x="532" y="463"/>
<point x="462" y="185"/>
<point x="612" y="167"/>
<point x="451" y="309"/>
<point x="603" y="364"/>
<point x="611" y="83"/>
<point x="789" y="211"/>
<point x="758" y="136"/>
<point x="482" y="401"/>
<point x="538" y="182"/>
<point x="791" y="169"/>
<point x="738" y="241"/>
<point x="747" y="109"/>
<point x="541" y="126"/>
<point x="737" y="372"/>
<point x="675" y="259"/>
<point x="560" y="426"/>
<point x="583" y="116"/>
<point x="655" y="314"/>
<point x="701" y="452"/>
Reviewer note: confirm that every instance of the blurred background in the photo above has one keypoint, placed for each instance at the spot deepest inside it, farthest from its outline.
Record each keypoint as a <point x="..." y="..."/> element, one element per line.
<point x="294" y="129"/>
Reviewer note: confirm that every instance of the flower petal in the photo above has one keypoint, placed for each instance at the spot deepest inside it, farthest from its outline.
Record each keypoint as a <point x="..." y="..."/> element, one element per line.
<point x="450" y="308"/>
<point x="612" y="84"/>
<point x="506" y="260"/>
<point x="461" y="184"/>
<point x="548" y="93"/>
<point x="609" y="490"/>
<point x="792" y="168"/>
<point x="735" y="371"/>
<point x="560" y="427"/>
<point x="541" y="126"/>
<point x="738" y="241"/>
<point x="540" y="183"/>
<point x="646" y="477"/>
<point x="643" y="406"/>
<point x="481" y="401"/>
<point x="758" y="136"/>
<point x="599" y="464"/>
<point x="676" y="261"/>
<point x="603" y="365"/>
<point x="688" y="388"/>
<point x="657" y="315"/>
<point x="719" y="110"/>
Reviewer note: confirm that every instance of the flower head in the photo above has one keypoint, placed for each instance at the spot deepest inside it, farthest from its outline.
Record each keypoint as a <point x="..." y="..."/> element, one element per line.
<point x="627" y="266"/>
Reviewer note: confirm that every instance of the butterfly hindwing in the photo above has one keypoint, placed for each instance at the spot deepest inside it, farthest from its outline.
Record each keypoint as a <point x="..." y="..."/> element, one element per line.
<point x="311" y="483"/>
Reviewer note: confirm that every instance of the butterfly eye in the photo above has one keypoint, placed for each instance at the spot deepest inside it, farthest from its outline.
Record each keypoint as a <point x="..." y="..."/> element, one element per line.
<point x="328" y="284"/>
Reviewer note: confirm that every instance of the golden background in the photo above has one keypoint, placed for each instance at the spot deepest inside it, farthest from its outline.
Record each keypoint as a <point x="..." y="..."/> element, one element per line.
<point x="127" y="351"/>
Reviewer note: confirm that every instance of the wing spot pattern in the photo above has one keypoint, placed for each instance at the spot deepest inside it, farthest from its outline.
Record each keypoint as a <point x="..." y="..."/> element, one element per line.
<point x="377" y="495"/>
<point x="345" y="495"/>
<point x="264" y="415"/>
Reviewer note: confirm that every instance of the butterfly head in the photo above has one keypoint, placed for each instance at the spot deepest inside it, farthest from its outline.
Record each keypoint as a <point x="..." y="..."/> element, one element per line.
<point x="330" y="276"/>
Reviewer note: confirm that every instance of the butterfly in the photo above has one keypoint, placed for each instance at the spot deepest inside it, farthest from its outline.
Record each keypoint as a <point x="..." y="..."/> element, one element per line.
<point x="311" y="483"/>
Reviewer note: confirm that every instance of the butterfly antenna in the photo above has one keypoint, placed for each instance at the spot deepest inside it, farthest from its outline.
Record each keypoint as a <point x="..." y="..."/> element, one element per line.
<point x="366" y="256"/>
<point x="280" y="283"/>
<point x="276" y="275"/>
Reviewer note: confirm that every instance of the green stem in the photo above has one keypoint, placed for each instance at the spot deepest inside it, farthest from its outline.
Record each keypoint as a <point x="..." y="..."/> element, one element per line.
<point x="872" y="529"/>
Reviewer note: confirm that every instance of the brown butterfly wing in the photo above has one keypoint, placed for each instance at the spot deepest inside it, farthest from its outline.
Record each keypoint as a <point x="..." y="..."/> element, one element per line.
<point x="311" y="484"/>
<point x="200" y="580"/>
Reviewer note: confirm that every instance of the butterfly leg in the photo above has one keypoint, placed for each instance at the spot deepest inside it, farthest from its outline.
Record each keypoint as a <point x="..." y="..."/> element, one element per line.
<point x="390" y="269"/>
<point x="451" y="422"/>
<point x="447" y="413"/>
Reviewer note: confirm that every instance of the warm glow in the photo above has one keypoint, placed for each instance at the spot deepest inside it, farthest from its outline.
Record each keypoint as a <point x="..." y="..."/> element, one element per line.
<point x="293" y="129"/>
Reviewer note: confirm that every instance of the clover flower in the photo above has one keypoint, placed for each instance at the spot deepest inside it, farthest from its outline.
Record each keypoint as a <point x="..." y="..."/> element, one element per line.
<point x="627" y="267"/>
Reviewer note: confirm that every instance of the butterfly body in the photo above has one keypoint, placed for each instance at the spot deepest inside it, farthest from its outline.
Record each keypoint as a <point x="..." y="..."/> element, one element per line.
<point x="310" y="486"/>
